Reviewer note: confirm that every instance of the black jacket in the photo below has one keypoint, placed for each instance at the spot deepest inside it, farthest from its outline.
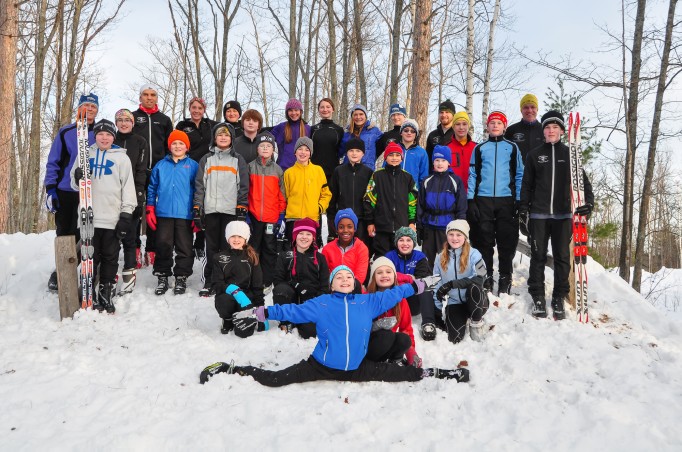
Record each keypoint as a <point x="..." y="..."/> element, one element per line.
<point x="326" y="136"/>
<point x="233" y="267"/>
<point x="311" y="277"/>
<point x="238" y="129"/>
<point x="391" y="199"/>
<point x="546" y="186"/>
<point x="348" y="186"/>
<point x="154" y="128"/>
<point x="136" y="148"/>
<point x="436" y="137"/>
<point x="200" y="138"/>
<point x="526" y="135"/>
<point x="246" y="147"/>
<point x="390" y="136"/>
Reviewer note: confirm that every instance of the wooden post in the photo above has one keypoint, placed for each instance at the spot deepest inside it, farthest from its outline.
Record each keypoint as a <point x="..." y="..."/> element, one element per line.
<point x="67" y="278"/>
<point x="571" y="277"/>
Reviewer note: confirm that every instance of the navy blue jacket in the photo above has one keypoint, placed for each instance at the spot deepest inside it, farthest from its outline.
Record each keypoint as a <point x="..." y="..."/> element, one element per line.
<point x="441" y="200"/>
<point x="416" y="263"/>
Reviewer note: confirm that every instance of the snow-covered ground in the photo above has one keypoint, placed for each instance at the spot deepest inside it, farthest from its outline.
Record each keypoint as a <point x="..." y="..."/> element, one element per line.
<point x="663" y="289"/>
<point x="129" y="381"/>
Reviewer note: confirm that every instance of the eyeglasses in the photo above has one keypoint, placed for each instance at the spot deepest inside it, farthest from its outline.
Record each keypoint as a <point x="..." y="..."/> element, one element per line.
<point x="124" y="120"/>
<point x="409" y="130"/>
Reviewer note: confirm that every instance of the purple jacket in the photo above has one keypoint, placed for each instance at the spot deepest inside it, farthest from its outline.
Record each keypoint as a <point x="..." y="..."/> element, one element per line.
<point x="62" y="155"/>
<point x="286" y="158"/>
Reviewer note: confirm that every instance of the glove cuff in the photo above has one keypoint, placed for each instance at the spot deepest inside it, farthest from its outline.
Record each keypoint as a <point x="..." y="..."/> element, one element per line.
<point x="125" y="216"/>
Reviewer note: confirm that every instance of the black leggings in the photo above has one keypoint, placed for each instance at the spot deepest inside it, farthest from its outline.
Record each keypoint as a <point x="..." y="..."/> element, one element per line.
<point x="283" y="293"/>
<point x="385" y="345"/>
<point x="311" y="370"/>
<point x="456" y="315"/>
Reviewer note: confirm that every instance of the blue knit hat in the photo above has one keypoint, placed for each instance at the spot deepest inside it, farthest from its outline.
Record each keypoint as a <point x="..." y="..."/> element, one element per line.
<point x="358" y="107"/>
<point x="345" y="213"/>
<point x="442" y="152"/>
<point x="396" y="108"/>
<point x="338" y="269"/>
<point x="88" y="99"/>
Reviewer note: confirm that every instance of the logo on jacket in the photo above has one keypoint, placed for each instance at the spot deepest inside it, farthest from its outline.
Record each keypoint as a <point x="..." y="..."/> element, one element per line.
<point x="519" y="137"/>
<point x="224" y="259"/>
<point x="141" y="119"/>
<point x="188" y="129"/>
<point x="543" y="159"/>
<point x="101" y="169"/>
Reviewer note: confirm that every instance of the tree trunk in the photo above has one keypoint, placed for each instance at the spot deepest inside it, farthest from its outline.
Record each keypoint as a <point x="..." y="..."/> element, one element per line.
<point x="421" y="64"/>
<point x="293" y="49"/>
<point x="395" y="52"/>
<point x="489" y="63"/>
<point x="357" y="42"/>
<point x="631" y="135"/>
<point x="470" y="60"/>
<point x="331" y="24"/>
<point x="651" y="159"/>
<point x="345" y="65"/>
<point x="9" y="13"/>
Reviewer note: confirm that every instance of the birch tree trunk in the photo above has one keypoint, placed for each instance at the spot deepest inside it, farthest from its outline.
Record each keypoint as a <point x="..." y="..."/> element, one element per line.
<point x="489" y="63"/>
<point x="470" y="60"/>
<point x="357" y="43"/>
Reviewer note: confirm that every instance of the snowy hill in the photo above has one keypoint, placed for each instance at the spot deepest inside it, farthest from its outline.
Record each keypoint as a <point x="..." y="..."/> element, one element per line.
<point x="129" y="381"/>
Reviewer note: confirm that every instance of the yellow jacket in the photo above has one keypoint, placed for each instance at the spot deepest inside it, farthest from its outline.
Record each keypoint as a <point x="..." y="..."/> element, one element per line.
<point x="307" y="192"/>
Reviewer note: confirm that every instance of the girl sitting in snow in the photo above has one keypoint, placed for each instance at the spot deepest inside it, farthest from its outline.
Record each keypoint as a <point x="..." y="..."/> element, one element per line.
<point x="237" y="277"/>
<point x="463" y="271"/>
<point x="391" y="337"/>
<point x="343" y="321"/>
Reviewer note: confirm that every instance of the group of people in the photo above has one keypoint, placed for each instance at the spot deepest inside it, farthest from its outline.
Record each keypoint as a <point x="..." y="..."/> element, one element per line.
<point x="242" y="198"/>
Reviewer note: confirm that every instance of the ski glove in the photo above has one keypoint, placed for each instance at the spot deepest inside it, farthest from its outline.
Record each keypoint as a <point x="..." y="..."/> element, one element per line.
<point x="384" y="323"/>
<point x="241" y="212"/>
<point x="524" y="223"/>
<point x="78" y="174"/>
<point x="416" y="361"/>
<point x="442" y="292"/>
<point x="584" y="210"/>
<point x="422" y="284"/>
<point x="151" y="217"/>
<point x="258" y="313"/>
<point x="123" y="225"/>
<point x="51" y="201"/>
<point x="198" y="217"/>
<point x="473" y="212"/>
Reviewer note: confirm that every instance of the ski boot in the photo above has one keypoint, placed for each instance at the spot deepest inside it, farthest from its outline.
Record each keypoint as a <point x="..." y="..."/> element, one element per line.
<point x="461" y="375"/>
<point x="207" y="291"/>
<point x="488" y="283"/>
<point x="129" y="278"/>
<point x="428" y="331"/>
<point x="199" y="253"/>
<point x="558" y="308"/>
<point x="105" y="295"/>
<point x="227" y="326"/>
<point x="180" y="285"/>
<point x="215" y="368"/>
<point x="477" y="330"/>
<point x="504" y="285"/>
<point x="52" y="285"/>
<point x="162" y="285"/>
<point x="539" y="306"/>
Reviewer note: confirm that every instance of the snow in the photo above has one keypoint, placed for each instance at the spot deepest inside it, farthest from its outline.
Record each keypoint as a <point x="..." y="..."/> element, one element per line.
<point x="129" y="381"/>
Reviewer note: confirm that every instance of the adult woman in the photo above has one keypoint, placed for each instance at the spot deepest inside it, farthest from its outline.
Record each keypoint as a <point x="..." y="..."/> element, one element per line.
<point x="361" y="127"/>
<point x="288" y="132"/>
<point x="327" y="137"/>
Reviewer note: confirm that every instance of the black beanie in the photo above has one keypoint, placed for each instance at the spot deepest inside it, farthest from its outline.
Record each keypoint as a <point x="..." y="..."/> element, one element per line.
<point x="553" y="117"/>
<point x="232" y="104"/>
<point x="447" y="105"/>
<point x="355" y="143"/>
<point x="105" y="125"/>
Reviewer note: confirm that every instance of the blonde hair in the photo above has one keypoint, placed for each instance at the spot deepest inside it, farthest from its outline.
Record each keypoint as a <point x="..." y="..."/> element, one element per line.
<point x="463" y="259"/>
<point x="372" y="288"/>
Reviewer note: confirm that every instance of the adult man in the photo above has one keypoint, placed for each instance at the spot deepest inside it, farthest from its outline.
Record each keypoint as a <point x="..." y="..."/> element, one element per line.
<point x="155" y="127"/>
<point x="246" y="145"/>
<point x="527" y="133"/>
<point x="396" y="114"/>
<point x="444" y="132"/>
<point x="61" y="199"/>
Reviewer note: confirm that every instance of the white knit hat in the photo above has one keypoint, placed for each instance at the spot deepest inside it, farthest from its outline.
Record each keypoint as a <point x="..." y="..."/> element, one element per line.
<point x="458" y="225"/>
<point x="240" y="228"/>
<point x="381" y="262"/>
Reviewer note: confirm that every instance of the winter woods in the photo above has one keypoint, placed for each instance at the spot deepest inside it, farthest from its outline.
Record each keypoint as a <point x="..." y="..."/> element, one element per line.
<point x="373" y="52"/>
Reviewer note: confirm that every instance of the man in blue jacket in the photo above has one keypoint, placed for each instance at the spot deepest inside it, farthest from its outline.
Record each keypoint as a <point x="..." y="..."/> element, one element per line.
<point x="61" y="199"/>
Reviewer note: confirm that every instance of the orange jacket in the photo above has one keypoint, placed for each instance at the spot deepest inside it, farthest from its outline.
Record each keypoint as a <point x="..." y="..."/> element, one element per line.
<point x="266" y="191"/>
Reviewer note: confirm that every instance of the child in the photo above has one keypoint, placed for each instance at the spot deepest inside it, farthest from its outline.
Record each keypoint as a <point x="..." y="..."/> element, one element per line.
<point x="221" y="196"/>
<point x="344" y="320"/>
<point x="288" y="133"/>
<point x="461" y="146"/>
<point x="113" y="195"/>
<point x="442" y="198"/>
<point x="391" y="336"/>
<point x="409" y="261"/>
<point x="390" y="201"/>
<point x="306" y="188"/>
<point x="348" y="186"/>
<point x="347" y="249"/>
<point x="415" y="162"/>
<point x="494" y="191"/>
<point x="169" y="213"/>
<point x="362" y="128"/>
<point x="462" y="270"/>
<point x="237" y="277"/>
<point x="301" y="274"/>
<point x="545" y="213"/>
<point x="267" y="204"/>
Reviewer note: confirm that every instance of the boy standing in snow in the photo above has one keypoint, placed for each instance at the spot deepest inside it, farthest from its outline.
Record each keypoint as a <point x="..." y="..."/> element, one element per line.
<point x="113" y="196"/>
<point x="169" y="213"/>
<point x="545" y="213"/>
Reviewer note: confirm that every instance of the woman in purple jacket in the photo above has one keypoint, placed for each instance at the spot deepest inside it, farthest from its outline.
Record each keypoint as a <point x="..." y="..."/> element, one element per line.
<point x="286" y="133"/>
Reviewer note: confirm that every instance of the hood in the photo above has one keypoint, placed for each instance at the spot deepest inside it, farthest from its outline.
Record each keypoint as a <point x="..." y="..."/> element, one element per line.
<point x="229" y="126"/>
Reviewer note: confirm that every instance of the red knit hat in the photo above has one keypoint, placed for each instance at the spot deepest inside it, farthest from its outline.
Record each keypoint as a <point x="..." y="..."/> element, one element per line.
<point x="304" y="224"/>
<point x="499" y="116"/>
<point x="178" y="135"/>
<point x="392" y="148"/>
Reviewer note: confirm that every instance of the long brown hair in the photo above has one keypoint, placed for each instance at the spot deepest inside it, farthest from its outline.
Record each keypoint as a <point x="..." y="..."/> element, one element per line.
<point x="372" y="288"/>
<point x="288" y="132"/>
<point x="463" y="259"/>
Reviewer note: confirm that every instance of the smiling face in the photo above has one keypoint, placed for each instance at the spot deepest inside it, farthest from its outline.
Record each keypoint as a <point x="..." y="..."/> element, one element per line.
<point x="124" y="125"/>
<point x="529" y="112"/>
<point x="384" y="277"/>
<point x="359" y="118"/>
<point x="325" y="110"/>
<point x="90" y="111"/>
<point x="394" y="159"/>
<point x="232" y="115"/>
<point x="445" y="118"/>
<point x="236" y="242"/>
<point x="408" y="135"/>
<point x="104" y="140"/>
<point x="302" y="155"/>
<point x="223" y="140"/>
<point x="456" y="239"/>
<point x="345" y="230"/>
<point x="265" y="150"/>
<point x="355" y="155"/>
<point x="250" y="125"/>
<point x="440" y="165"/>
<point x="397" y="119"/>
<point x="303" y="241"/>
<point x="461" y="128"/>
<point x="196" y="111"/>
<point x="294" y="114"/>
<point x="343" y="282"/>
<point x="149" y="98"/>
<point x="178" y="149"/>
<point x="405" y="245"/>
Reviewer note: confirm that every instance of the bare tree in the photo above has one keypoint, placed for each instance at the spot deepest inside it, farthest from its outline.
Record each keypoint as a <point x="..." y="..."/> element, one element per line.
<point x="489" y="62"/>
<point x="421" y="63"/>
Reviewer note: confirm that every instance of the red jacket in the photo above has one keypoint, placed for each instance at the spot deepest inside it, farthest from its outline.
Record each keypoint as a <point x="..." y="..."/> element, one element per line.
<point x="461" y="158"/>
<point x="266" y="191"/>
<point x="356" y="258"/>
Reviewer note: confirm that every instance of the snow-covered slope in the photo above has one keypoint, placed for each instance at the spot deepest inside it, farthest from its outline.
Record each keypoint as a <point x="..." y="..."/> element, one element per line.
<point x="129" y="381"/>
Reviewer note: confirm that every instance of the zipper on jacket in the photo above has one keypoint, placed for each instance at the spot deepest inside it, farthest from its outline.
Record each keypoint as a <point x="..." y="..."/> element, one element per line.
<point x="345" y="302"/>
<point x="151" y="146"/>
<point x="262" y="191"/>
<point x="495" y="173"/>
<point x="551" y="195"/>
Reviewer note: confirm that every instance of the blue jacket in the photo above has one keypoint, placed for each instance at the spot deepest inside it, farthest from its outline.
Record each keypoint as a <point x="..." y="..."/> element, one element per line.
<point x="369" y="134"/>
<point x="496" y="169"/>
<point x="171" y="187"/>
<point x="441" y="200"/>
<point x="343" y="322"/>
<point x="475" y="270"/>
<point x="63" y="153"/>
<point x="416" y="263"/>
<point x="416" y="162"/>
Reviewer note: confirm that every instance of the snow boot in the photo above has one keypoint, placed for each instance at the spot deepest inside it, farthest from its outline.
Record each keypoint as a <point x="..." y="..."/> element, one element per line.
<point x="428" y="331"/>
<point x="267" y="290"/>
<point x="215" y="368"/>
<point x="227" y="326"/>
<point x="105" y="296"/>
<point x="539" y="306"/>
<point x="207" y="290"/>
<point x="461" y="374"/>
<point x="129" y="279"/>
<point x="558" y="308"/>
<point x="488" y="283"/>
<point x="199" y="253"/>
<point x="504" y="285"/>
<point x="477" y="330"/>
<point x="52" y="282"/>
<point x="287" y="327"/>
<point x="149" y="258"/>
<point x="162" y="285"/>
<point x="180" y="285"/>
<point x="139" y="259"/>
